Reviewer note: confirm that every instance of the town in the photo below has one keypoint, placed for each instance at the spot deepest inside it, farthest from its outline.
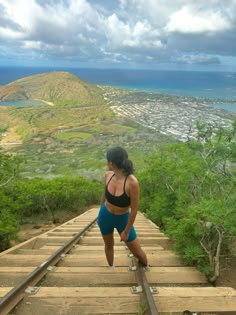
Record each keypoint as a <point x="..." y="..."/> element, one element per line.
<point x="171" y="115"/>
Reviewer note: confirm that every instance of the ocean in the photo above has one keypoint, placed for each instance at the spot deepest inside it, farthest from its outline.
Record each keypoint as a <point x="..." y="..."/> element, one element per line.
<point x="212" y="85"/>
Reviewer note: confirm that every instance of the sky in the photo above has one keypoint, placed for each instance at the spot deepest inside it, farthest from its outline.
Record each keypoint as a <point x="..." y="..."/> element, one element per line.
<point x="135" y="34"/>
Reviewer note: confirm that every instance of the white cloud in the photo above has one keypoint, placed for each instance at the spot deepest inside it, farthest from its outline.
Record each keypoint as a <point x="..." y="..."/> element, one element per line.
<point x="22" y="14"/>
<point x="123" y="31"/>
<point x="9" y="34"/>
<point x="155" y="11"/>
<point x="32" y="45"/>
<point x="188" y="20"/>
<point x="140" y="34"/>
<point x="197" y="59"/>
<point x="123" y="4"/>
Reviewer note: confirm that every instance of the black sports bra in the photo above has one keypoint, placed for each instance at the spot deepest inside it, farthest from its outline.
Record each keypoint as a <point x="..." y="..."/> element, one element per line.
<point x="121" y="201"/>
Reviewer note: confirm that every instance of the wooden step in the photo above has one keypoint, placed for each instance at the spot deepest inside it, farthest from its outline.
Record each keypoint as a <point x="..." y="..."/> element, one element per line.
<point x="77" y="300"/>
<point x="32" y="252"/>
<point x="147" y="241"/>
<point x="82" y="276"/>
<point x="160" y="259"/>
<point x="22" y="260"/>
<point x="81" y="283"/>
<point x="113" y="300"/>
<point x="140" y="234"/>
<point x="100" y="248"/>
<point x="200" y="299"/>
<point x="5" y="290"/>
<point x="11" y="279"/>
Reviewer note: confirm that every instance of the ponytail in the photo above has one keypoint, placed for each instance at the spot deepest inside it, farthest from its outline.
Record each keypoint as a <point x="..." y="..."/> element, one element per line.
<point x="128" y="167"/>
<point x="119" y="157"/>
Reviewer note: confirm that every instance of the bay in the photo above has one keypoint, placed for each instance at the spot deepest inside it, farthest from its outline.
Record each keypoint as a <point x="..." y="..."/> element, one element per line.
<point x="21" y="103"/>
<point x="220" y="87"/>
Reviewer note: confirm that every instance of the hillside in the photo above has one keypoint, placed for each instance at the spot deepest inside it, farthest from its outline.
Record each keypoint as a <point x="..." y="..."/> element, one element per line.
<point x="72" y="136"/>
<point x="59" y="88"/>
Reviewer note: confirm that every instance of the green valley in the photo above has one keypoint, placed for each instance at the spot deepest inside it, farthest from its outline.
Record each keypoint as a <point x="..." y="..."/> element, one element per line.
<point x="70" y="134"/>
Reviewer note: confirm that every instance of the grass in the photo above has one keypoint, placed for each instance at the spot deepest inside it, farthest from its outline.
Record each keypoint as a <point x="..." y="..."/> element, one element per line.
<point x="3" y="128"/>
<point x="73" y="136"/>
<point x="60" y="88"/>
<point x="83" y="152"/>
<point x="60" y="141"/>
<point x="76" y="156"/>
<point x="142" y="308"/>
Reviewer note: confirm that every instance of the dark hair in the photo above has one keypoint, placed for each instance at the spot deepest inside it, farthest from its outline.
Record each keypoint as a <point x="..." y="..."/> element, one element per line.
<point x="119" y="157"/>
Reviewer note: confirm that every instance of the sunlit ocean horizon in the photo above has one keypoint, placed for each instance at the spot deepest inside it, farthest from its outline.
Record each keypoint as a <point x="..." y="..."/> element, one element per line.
<point x="212" y="85"/>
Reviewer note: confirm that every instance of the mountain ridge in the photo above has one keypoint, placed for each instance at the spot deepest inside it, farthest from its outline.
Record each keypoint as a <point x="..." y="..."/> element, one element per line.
<point x="57" y="87"/>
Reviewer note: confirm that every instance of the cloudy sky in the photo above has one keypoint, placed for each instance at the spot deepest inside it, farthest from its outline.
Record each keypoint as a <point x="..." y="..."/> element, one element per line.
<point x="156" y="34"/>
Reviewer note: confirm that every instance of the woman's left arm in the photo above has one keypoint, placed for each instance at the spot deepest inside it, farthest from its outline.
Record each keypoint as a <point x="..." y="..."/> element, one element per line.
<point x="134" y="199"/>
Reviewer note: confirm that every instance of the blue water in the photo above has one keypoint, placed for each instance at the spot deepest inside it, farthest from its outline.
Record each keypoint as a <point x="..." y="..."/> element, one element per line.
<point x="21" y="103"/>
<point x="227" y="106"/>
<point x="212" y="85"/>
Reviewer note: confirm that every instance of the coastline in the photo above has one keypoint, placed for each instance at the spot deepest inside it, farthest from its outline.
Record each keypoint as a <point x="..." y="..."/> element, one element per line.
<point x="201" y="84"/>
<point x="46" y="102"/>
<point x="174" y="116"/>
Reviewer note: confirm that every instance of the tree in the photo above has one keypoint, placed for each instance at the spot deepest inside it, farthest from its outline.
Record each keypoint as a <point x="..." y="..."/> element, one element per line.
<point x="9" y="166"/>
<point x="188" y="189"/>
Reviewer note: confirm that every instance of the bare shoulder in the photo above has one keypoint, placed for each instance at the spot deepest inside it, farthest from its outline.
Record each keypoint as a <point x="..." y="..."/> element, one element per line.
<point x="132" y="180"/>
<point x="108" y="174"/>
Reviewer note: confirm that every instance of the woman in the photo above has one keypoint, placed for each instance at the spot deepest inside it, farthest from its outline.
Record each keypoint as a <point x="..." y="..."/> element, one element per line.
<point x="119" y="205"/>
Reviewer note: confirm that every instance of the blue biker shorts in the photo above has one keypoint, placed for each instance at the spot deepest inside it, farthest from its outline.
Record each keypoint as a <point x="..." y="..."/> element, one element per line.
<point x="107" y="221"/>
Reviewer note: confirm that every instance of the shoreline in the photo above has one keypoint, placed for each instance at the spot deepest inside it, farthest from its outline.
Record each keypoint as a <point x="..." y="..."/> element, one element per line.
<point x="21" y="103"/>
<point x="203" y="84"/>
<point x="46" y="102"/>
<point x="174" y="116"/>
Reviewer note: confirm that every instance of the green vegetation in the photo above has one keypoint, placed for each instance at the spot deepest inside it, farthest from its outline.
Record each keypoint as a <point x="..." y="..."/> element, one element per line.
<point x="23" y="200"/>
<point x="73" y="136"/>
<point x="3" y="128"/>
<point x="9" y="166"/>
<point x="189" y="191"/>
<point x="59" y="88"/>
<point x="142" y="308"/>
<point x="41" y="196"/>
<point x="64" y="140"/>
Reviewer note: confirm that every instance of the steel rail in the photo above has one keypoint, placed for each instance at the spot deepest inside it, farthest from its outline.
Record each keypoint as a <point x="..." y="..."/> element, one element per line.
<point x="12" y="298"/>
<point x="146" y="290"/>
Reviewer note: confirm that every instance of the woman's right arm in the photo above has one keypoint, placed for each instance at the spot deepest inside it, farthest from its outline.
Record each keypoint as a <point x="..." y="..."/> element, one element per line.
<point x="103" y="198"/>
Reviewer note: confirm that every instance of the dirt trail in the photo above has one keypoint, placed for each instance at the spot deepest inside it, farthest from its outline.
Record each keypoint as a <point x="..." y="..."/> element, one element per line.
<point x="10" y="137"/>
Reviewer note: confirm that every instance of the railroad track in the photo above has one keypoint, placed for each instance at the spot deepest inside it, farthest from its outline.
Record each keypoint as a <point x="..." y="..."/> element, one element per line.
<point x="64" y="271"/>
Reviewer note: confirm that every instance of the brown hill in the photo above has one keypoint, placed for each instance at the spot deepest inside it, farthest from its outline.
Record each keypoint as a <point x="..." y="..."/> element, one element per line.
<point x="60" y="88"/>
<point x="12" y="92"/>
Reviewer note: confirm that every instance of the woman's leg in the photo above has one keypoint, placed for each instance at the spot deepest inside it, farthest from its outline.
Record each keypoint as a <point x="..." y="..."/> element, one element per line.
<point x="105" y="219"/>
<point x="133" y="243"/>
<point x="136" y="249"/>
<point x="109" y="248"/>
